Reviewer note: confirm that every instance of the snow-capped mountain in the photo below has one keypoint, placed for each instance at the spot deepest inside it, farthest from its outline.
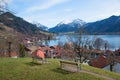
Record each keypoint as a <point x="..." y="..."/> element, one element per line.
<point x="63" y="22"/>
<point x="40" y="26"/>
<point x="70" y="26"/>
<point x="73" y="22"/>
<point x="78" y="21"/>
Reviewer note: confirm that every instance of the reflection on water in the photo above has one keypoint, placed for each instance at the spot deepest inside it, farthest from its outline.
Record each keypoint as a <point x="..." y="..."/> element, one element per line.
<point x="113" y="40"/>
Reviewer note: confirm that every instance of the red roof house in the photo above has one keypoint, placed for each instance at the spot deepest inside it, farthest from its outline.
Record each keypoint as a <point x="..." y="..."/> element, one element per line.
<point x="99" y="62"/>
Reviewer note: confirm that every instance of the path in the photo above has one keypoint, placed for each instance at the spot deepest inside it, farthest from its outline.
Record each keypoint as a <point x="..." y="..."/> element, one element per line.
<point x="98" y="75"/>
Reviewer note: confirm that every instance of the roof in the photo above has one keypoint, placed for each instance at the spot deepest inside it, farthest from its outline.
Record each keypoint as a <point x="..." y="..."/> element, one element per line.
<point x="118" y="50"/>
<point x="117" y="59"/>
<point x="31" y="48"/>
<point x="103" y="61"/>
<point x="38" y="53"/>
<point x="27" y="49"/>
<point x="97" y="51"/>
<point x="45" y="48"/>
<point x="109" y="52"/>
<point x="99" y="62"/>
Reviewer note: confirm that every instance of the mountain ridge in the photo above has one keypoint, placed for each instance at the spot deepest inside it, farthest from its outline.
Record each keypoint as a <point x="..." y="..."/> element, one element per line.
<point x="67" y="27"/>
<point x="110" y="25"/>
<point x="18" y="24"/>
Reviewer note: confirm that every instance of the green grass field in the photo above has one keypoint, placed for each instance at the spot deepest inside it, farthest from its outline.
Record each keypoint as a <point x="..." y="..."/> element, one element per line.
<point x="113" y="75"/>
<point x="24" y="69"/>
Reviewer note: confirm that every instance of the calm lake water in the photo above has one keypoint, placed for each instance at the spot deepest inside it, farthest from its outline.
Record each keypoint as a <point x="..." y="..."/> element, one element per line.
<point x="113" y="40"/>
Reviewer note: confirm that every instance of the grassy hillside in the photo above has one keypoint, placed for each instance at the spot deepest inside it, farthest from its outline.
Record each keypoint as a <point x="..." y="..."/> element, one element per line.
<point x="101" y="72"/>
<point x="24" y="69"/>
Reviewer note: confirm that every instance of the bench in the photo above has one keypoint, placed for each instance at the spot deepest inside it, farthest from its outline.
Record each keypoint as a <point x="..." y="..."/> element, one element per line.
<point x="70" y="66"/>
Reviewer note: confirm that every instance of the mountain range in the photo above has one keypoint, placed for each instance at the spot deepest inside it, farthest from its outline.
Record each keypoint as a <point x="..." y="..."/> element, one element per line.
<point x="109" y="25"/>
<point x="67" y="27"/>
<point x="9" y="21"/>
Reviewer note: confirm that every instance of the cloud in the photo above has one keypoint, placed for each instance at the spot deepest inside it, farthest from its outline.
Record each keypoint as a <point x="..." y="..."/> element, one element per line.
<point x="46" y="5"/>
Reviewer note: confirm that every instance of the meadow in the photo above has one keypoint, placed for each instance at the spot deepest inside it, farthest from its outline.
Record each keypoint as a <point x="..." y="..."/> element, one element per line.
<point x="25" y="69"/>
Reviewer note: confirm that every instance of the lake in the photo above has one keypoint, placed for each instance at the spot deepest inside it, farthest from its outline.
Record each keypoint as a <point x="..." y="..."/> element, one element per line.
<point x="113" y="40"/>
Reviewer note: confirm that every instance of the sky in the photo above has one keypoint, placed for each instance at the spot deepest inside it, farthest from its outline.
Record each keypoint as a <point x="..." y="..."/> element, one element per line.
<point x="52" y="12"/>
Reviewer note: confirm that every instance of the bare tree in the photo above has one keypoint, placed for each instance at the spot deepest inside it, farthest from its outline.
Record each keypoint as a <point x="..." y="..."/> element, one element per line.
<point x="98" y="43"/>
<point x="60" y="44"/>
<point x="106" y="45"/>
<point x="80" y="44"/>
<point x="111" y="60"/>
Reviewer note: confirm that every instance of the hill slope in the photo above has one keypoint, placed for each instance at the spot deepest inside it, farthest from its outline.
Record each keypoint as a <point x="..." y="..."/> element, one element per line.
<point x="6" y="31"/>
<point x="23" y="68"/>
<point x="18" y="24"/>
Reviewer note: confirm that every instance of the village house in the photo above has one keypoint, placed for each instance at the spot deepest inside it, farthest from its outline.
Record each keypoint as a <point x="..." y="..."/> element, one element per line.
<point x="116" y="65"/>
<point x="117" y="52"/>
<point x="54" y="51"/>
<point x="105" y="63"/>
<point x="6" y="54"/>
<point x="30" y="49"/>
<point x="27" y="42"/>
<point x="50" y="52"/>
<point x="94" y="53"/>
<point x="14" y="55"/>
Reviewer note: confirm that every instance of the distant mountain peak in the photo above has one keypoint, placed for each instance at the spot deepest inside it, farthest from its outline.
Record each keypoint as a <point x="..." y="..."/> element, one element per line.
<point x="64" y="22"/>
<point x="75" y="21"/>
<point x="61" y="23"/>
<point x="8" y="14"/>
<point x="40" y="26"/>
<point x="68" y="26"/>
<point x="78" y="20"/>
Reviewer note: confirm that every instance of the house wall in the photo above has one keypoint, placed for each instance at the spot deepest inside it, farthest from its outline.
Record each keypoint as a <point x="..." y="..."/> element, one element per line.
<point x="107" y="68"/>
<point x="116" y="68"/>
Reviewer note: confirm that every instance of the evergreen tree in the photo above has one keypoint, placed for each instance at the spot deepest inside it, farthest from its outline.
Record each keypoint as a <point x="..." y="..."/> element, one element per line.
<point x="21" y="50"/>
